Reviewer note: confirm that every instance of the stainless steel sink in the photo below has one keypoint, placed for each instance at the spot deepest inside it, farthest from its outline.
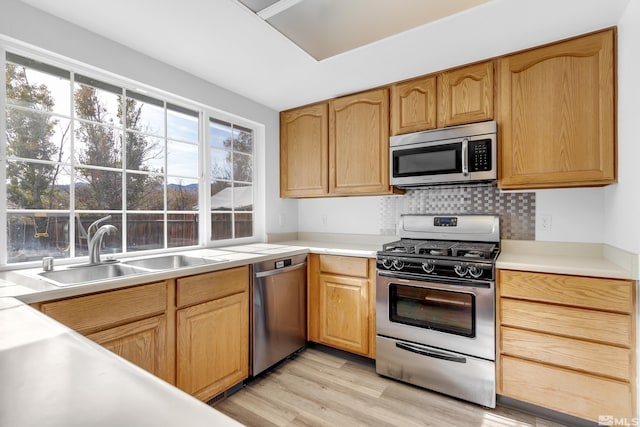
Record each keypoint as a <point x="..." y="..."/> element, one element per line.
<point x="169" y="262"/>
<point x="89" y="273"/>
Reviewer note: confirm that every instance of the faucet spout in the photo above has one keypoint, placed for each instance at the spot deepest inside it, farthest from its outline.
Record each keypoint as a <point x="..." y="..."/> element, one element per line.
<point x="95" y="224"/>
<point x="96" y="242"/>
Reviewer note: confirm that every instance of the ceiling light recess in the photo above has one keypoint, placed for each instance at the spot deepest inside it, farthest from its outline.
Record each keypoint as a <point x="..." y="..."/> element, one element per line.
<point x="276" y="8"/>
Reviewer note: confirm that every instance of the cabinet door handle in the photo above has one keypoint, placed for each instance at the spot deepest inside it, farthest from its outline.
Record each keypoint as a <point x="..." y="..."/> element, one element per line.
<point x="431" y="353"/>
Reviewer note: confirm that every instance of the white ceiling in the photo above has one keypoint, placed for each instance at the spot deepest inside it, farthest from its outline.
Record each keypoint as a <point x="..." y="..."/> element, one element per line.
<point x="225" y="43"/>
<point x="325" y="28"/>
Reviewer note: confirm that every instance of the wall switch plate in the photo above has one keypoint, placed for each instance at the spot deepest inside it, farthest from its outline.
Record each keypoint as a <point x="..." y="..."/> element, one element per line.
<point x="545" y="222"/>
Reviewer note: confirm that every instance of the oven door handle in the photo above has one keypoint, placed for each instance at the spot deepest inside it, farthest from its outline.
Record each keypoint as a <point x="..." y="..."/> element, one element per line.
<point x="431" y="353"/>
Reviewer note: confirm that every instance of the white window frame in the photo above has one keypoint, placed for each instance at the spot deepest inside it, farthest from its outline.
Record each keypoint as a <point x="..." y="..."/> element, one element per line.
<point x="205" y="113"/>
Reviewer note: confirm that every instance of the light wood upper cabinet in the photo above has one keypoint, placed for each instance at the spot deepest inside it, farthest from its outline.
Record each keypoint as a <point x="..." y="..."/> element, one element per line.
<point x="304" y="151"/>
<point x="341" y="307"/>
<point x="336" y="148"/>
<point x="557" y="114"/>
<point x="465" y="95"/>
<point x="453" y="97"/>
<point x="359" y="144"/>
<point x="413" y="105"/>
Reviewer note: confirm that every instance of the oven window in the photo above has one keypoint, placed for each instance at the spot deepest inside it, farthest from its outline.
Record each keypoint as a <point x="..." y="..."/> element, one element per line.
<point x="446" y="311"/>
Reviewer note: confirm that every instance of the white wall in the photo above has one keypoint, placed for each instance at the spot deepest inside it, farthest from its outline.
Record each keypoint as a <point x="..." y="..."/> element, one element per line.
<point x="577" y="215"/>
<point x="622" y="201"/>
<point x="36" y="28"/>
<point x="351" y="215"/>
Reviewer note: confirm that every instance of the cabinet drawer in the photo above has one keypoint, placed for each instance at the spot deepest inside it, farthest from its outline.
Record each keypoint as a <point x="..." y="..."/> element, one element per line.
<point x="344" y="265"/>
<point x="602" y="294"/>
<point x="582" y="395"/>
<point x="209" y="286"/>
<point x="590" y="325"/>
<point x="91" y="313"/>
<point x="586" y="356"/>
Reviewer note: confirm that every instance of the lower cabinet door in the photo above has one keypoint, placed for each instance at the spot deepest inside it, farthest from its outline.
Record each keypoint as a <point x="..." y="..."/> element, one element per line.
<point x="213" y="345"/>
<point x="344" y="318"/>
<point x="143" y="343"/>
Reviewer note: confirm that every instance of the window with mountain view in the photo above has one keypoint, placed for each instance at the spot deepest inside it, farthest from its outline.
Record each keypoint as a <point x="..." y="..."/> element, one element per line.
<point x="80" y="149"/>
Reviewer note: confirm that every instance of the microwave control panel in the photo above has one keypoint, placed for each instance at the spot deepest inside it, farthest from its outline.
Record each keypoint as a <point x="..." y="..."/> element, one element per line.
<point x="480" y="155"/>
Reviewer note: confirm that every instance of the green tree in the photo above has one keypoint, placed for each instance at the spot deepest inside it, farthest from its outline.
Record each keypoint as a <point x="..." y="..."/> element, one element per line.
<point x="102" y="146"/>
<point x="144" y="191"/>
<point x="240" y="164"/>
<point x="181" y="197"/>
<point x="30" y="136"/>
<point x="99" y="148"/>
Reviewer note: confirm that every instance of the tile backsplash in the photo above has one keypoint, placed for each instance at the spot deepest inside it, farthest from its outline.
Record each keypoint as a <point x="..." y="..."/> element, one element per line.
<point x="517" y="210"/>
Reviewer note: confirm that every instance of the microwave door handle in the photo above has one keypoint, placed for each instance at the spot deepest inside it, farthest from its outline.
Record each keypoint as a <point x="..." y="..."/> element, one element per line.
<point x="465" y="157"/>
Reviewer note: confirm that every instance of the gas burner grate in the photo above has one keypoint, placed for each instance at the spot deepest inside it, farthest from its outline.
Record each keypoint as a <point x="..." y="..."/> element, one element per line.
<point x="406" y="246"/>
<point x="473" y="250"/>
<point x="434" y="247"/>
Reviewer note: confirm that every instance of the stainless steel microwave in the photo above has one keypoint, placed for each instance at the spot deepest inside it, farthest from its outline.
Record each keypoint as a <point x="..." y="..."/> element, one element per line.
<point x="458" y="154"/>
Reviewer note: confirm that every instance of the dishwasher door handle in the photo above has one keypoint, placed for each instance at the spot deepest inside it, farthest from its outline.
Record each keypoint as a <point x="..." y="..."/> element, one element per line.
<point x="280" y="270"/>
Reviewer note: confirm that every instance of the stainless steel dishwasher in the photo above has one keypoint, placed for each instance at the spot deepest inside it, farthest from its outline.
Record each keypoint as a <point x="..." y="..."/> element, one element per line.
<point x="279" y="315"/>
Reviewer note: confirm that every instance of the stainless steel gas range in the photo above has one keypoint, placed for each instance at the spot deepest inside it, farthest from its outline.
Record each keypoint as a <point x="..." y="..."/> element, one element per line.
<point x="435" y="305"/>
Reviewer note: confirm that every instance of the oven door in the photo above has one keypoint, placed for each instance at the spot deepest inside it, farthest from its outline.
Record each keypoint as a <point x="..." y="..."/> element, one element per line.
<point x="447" y="314"/>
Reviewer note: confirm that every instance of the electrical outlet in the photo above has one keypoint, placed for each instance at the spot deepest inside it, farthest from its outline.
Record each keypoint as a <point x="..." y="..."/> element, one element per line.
<point x="323" y="217"/>
<point x="282" y="219"/>
<point x="545" y="222"/>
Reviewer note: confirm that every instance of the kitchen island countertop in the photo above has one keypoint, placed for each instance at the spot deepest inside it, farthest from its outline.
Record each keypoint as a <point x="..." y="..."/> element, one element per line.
<point x="53" y="376"/>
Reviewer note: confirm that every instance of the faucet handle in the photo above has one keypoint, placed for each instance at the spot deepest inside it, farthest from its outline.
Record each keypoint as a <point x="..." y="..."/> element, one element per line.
<point x="95" y="224"/>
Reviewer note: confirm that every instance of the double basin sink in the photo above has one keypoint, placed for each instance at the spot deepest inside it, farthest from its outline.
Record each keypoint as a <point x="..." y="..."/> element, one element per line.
<point x="85" y="273"/>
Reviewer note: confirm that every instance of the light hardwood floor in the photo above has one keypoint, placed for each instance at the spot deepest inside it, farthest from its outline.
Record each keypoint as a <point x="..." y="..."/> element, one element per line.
<point x="321" y="389"/>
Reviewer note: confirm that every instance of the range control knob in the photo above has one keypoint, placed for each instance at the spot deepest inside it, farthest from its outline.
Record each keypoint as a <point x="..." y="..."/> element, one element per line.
<point x="427" y="267"/>
<point x="475" y="271"/>
<point x="460" y="269"/>
<point x="398" y="264"/>
<point x="387" y="263"/>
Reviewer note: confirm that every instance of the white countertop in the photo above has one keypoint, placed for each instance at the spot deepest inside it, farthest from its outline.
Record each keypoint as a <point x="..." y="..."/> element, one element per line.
<point x="51" y="376"/>
<point x="582" y="259"/>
